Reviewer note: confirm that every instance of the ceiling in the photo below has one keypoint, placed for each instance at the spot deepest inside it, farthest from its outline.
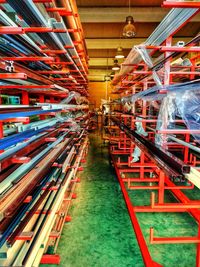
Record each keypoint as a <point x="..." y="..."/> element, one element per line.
<point x="103" y="22"/>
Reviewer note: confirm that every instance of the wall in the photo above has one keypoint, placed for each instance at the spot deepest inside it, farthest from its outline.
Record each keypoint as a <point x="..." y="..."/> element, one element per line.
<point x="97" y="91"/>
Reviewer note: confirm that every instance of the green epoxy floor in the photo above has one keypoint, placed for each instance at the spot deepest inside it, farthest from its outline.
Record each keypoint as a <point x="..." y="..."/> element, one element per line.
<point x="100" y="233"/>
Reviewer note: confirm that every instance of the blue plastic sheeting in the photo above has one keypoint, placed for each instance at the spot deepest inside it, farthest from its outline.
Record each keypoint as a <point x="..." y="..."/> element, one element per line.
<point x="5" y="116"/>
<point x="20" y="137"/>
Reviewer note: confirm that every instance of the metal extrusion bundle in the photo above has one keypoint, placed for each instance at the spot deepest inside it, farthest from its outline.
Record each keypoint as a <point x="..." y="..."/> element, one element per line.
<point x="32" y="194"/>
<point x="51" y="39"/>
<point x="43" y="130"/>
<point x="172" y="166"/>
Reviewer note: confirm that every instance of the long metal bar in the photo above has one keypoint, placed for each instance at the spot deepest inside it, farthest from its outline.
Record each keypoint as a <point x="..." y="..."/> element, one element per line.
<point x="36" y="17"/>
<point x="7" y="225"/>
<point x="181" y="4"/>
<point x="172" y="166"/>
<point x="35" y="58"/>
<point x="23" y="223"/>
<point x="27" y="113"/>
<point x="77" y="162"/>
<point x="22" y="148"/>
<point x="26" y="167"/>
<point x="35" y="1"/>
<point x="19" y="137"/>
<point x="29" y="181"/>
<point x="47" y="221"/>
<point x="179" y="141"/>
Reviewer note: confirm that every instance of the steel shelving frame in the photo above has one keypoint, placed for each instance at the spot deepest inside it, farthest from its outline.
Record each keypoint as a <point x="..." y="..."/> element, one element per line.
<point x="148" y="173"/>
<point x="43" y="58"/>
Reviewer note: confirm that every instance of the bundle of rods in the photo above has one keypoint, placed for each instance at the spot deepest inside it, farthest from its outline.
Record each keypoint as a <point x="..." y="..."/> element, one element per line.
<point x="171" y="165"/>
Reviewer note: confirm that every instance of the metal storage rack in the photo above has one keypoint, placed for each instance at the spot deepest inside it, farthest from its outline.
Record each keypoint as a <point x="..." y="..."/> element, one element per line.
<point x="43" y="62"/>
<point x="157" y="168"/>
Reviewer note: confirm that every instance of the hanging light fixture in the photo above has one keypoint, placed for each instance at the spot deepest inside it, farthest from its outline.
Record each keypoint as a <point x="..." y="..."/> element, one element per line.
<point x="116" y="66"/>
<point x="106" y="78"/>
<point x="112" y="75"/>
<point x="119" y="52"/>
<point x="129" y="30"/>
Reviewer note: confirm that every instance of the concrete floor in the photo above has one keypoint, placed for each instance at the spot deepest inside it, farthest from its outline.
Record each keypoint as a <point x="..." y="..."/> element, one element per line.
<point x="100" y="233"/>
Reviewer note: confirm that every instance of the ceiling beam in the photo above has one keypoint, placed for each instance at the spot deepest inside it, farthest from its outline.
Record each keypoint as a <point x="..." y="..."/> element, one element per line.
<point x="118" y="14"/>
<point x="125" y="43"/>
<point x="98" y="74"/>
<point x="113" y="43"/>
<point x="102" y="62"/>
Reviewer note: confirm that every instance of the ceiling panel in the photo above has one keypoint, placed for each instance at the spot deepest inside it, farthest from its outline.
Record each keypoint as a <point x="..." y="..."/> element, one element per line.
<point x="106" y="53"/>
<point x="114" y="30"/>
<point x="119" y="14"/>
<point x="119" y="3"/>
<point x="190" y="29"/>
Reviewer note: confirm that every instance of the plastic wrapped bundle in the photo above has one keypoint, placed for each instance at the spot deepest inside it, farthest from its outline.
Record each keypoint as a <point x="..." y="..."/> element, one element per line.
<point x="150" y="94"/>
<point x="182" y="101"/>
<point x="71" y="95"/>
<point x="139" y="130"/>
<point x="166" y="117"/>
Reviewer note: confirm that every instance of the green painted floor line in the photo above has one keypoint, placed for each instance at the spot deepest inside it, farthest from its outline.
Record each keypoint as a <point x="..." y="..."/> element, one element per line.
<point x="100" y="233"/>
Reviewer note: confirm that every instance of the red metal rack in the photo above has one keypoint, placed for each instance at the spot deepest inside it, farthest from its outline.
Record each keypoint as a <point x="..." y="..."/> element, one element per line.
<point x="45" y="75"/>
<point x="144" y="174"/>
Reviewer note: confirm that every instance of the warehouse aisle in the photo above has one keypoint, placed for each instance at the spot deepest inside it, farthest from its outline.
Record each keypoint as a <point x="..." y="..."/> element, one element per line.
<point x="100" y="233"/>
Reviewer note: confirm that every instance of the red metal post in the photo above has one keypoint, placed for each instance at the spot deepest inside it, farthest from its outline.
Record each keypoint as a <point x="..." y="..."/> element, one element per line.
<point x="42" y="100"/>
<point x="25" y="98"/>
<point x="161" y="187"/>
<point x="52" y="100"/>
<point x="148" y="261"/>
<point x="198" y="248"/>
<point x="50" y="259"/>
<point x="1" y="130"/>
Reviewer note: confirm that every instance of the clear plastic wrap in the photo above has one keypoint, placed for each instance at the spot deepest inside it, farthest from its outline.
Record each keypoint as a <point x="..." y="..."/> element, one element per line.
<point x="82" y="100"/>
<point x="183" y="102"/>
<point x="139" y="130"/>
<point x="78" y="98"/>
<point x="141" y="49"/>
<point x="188" y="106"/>
<point x="105" y="106"/>
<point x="150" y="94"/>
<point x="139" y="127"/>
<point x="136" y="154"/>
<point x="127" y="107"/>
<point x="170" y="24"/>
<point x="71" y="95"/>
<point x="133" y="58"/>
<point x="166" y="117"/>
